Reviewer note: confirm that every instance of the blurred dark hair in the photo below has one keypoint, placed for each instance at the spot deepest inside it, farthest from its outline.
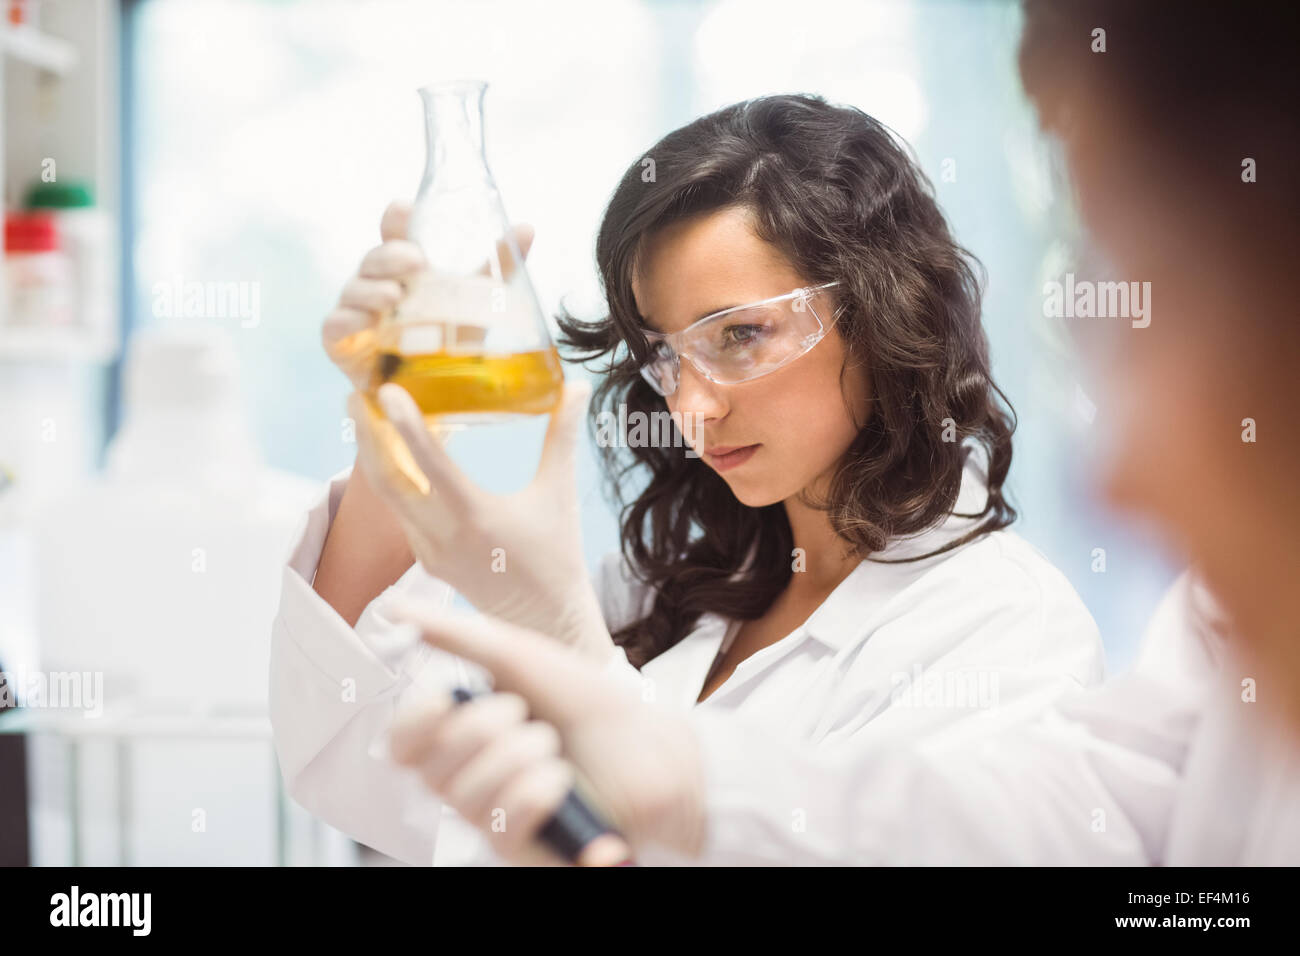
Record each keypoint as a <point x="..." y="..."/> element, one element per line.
<point x="841" y="199"/>
<point x="1183" y="94"/>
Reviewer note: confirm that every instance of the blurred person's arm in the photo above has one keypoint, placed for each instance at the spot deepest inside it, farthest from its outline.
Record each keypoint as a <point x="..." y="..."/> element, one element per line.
<point x="365" y="551"/>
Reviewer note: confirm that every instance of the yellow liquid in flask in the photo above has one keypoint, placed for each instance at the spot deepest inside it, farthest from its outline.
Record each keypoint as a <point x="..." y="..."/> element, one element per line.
<point x="466" y="387"/>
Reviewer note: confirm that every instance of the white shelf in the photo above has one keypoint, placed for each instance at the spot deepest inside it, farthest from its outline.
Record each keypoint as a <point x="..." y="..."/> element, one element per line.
<point x="24" y="344"/>
<point x="24" y="720"/>
<point x="75" y="120"/>
<point x="31" y="46"/>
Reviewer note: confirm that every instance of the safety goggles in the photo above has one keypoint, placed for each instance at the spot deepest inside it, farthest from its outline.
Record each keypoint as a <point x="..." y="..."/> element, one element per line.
<point x="740" y="343"/>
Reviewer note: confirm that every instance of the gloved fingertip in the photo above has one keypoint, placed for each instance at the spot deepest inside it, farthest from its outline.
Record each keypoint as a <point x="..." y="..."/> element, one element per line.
<point x="395" y="401"/>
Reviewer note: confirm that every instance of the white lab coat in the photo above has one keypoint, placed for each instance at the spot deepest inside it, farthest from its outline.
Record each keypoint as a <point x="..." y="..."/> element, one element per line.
<point x="986" y="635"/>
<point x="1170" y="764"/>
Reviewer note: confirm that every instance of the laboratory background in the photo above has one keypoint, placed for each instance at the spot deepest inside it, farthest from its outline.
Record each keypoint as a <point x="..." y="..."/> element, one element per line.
<point x="159" y="446"/>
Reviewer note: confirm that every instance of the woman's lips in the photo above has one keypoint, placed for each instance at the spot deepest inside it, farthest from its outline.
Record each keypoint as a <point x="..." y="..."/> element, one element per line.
<point x="725" y="457"/>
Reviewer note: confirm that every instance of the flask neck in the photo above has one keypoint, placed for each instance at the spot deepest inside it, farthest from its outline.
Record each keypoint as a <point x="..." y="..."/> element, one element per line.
<point x="453" y="130"/>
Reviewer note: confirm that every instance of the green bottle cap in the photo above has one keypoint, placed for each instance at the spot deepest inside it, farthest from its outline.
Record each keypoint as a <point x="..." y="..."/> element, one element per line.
<point x="70" y="195"/>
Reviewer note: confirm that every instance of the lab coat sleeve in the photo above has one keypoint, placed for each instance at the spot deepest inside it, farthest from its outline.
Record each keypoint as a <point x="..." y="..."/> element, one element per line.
<point x="1093" y="780"/>
<point x="333" y="691"/>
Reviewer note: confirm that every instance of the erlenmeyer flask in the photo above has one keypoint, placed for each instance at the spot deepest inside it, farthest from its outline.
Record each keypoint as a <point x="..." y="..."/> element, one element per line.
<point x="469" y="340"/>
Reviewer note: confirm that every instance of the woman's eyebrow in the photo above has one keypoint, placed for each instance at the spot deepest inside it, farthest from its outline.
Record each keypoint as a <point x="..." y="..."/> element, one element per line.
<point x="645" y="319"/>
<point x="715" y="310"/>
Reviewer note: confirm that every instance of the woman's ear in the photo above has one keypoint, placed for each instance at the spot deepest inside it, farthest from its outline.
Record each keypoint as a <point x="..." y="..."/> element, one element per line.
<point x="855" y="386"/>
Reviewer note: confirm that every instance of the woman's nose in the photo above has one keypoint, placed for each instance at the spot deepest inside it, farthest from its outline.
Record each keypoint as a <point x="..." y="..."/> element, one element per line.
<point x="696" y="397"/>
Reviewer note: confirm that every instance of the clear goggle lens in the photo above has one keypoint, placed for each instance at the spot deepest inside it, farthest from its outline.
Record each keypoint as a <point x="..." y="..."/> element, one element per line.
<point x="742" y="343"/>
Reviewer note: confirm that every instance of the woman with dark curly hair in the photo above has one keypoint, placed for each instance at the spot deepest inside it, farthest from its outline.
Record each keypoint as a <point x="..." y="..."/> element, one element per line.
<point x="866" y="438"/>
<point x="825" y="548"/>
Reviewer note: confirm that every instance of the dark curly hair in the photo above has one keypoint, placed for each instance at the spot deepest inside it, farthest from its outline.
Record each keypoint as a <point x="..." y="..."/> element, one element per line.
<point x="832" y="190"/>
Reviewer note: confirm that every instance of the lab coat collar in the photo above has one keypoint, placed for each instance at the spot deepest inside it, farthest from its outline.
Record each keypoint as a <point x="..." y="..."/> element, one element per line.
<point x="850" y="609"/>
<point x="685" y="666"/>
<point x="843" y="617"/>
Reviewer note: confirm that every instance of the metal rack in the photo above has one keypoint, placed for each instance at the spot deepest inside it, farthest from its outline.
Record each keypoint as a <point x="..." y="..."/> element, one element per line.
<point x="128" y="726"/>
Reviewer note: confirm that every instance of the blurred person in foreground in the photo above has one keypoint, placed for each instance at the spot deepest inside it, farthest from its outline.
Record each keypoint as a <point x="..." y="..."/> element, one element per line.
<point x="1180" y="139"/>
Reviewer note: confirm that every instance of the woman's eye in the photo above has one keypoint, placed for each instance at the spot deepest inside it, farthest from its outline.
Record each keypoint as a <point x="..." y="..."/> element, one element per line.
<point x="734" y="336"/>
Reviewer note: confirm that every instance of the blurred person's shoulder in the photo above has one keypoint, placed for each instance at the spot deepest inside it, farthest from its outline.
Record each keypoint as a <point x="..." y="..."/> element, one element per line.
<point x="1186" y="635"/>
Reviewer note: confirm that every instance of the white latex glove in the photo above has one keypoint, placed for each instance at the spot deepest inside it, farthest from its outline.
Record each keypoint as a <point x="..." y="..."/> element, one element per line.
<point x="496" y="768"/>
<point x="500" y="754"/>
<point x="517" y="557"/>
